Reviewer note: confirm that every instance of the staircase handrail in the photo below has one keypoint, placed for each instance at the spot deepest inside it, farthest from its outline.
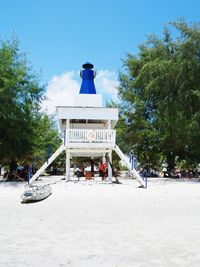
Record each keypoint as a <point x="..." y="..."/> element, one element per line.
<point x="126" y="161"/>
<point x="61" y="135"/>
<point x="47" y="163"/>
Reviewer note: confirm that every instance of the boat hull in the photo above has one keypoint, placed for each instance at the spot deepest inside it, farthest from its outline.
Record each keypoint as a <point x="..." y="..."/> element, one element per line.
<point x="36" y="193"/>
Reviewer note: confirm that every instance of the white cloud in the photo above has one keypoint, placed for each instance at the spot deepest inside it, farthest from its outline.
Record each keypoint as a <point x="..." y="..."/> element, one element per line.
<point x="106" y="83"/>
<point x="62" y="90"/>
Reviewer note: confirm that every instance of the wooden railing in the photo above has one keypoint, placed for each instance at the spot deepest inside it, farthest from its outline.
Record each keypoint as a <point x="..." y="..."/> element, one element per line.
<point x="90" y="136"/>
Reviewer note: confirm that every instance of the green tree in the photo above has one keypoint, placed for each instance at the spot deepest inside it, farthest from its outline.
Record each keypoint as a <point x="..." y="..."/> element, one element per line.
<point x="23" y="129"/>
<point x="46" y="136"/>
<point x="160" y="93"/>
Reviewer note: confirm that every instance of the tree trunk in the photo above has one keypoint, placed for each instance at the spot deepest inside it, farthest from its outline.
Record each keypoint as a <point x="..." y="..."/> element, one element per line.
<point x="170" y="162"/>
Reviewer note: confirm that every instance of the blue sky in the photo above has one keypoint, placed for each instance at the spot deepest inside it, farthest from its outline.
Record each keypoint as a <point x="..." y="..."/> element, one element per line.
<point x="60" y="35"/>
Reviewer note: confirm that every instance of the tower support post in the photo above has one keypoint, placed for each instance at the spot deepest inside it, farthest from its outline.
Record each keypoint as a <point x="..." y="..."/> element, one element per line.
<point x="109" y="166"/>
<point x="67" y="166"/>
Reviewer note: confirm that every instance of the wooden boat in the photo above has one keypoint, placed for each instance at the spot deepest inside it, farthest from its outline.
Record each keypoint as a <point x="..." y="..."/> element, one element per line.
<point x="36" y="193"/>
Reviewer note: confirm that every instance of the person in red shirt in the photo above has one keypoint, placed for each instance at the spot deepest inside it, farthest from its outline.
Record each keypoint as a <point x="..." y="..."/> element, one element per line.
<point x="103" y="170"/>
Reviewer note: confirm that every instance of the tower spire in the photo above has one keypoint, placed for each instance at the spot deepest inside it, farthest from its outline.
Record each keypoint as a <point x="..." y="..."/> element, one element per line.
<point x="87" y="75"/>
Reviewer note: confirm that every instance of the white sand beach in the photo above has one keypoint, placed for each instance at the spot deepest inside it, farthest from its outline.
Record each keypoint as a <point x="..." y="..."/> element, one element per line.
<point x="92" y="224"/>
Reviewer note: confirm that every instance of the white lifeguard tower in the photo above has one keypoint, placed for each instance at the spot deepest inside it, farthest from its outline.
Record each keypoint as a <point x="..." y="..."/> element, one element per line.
<point x="88" y="128"/>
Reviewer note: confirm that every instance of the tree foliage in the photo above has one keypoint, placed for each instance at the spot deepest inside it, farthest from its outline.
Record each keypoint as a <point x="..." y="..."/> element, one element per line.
<point x="21" y="123"/>
<point x="160" y="93"/>
<point x="46" y="138"/>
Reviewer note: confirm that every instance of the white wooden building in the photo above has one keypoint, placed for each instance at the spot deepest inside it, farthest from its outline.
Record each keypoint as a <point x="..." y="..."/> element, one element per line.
<point x="88" y="128"/>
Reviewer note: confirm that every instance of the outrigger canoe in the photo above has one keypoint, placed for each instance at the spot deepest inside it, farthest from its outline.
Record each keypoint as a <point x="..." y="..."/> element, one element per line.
<point x="36" y="193"/>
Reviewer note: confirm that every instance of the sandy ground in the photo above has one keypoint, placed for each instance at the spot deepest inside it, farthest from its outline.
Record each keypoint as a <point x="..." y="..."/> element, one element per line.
<point x="92" y="224"/>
